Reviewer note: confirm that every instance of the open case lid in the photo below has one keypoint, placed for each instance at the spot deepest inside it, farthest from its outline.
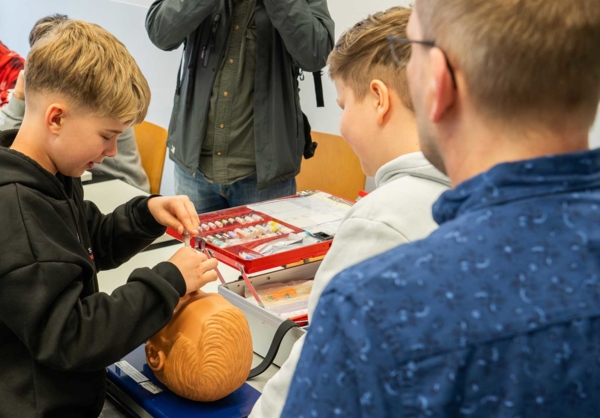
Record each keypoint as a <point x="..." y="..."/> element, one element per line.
<point x="272" y="234"/>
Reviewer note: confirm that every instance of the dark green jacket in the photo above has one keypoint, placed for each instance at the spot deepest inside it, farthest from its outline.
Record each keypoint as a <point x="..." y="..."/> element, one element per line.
<point x="291" y="35"/>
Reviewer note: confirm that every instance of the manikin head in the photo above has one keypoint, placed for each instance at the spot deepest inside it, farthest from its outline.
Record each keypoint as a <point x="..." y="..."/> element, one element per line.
<point x="504" y="80"/>
<point x="205" y="352"/>
<point x="82" y="90"/>
<point x="377" y="118"/>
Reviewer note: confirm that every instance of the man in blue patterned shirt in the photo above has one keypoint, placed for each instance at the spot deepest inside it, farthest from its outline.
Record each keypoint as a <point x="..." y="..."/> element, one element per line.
<point x="497" y="313"/>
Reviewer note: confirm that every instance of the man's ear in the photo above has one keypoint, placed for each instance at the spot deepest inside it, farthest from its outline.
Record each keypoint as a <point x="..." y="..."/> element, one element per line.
<point x="443" y="89"/>
<point x="381" y="99"/>
<point x="55" y="117"/>
<point x="155" y="357"/>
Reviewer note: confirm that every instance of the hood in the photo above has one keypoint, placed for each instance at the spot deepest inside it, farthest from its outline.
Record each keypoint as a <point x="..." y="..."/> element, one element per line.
<point x="574" y="173"/>
<point x="414" y="164"/>
<point x="17" y="168"/>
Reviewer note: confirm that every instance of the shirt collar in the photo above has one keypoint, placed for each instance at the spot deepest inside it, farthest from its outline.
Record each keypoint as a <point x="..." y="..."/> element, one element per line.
<point x="507" y="182"/>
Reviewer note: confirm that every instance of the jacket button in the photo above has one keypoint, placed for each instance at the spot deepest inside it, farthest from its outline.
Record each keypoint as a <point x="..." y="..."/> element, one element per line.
<point x="219" y="154"/>
<point x="231" y="61"/>
<point x="225" y="94"/>
<point x="221" y="126"/>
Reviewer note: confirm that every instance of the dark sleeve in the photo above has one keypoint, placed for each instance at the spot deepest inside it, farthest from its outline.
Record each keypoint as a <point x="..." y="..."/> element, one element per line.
<point x="306" y="28"/>
<point x="43" y="273"/>
<point x="169" y="22"/>
<point x="41" y="304"/>
<point x="118" y="236"/>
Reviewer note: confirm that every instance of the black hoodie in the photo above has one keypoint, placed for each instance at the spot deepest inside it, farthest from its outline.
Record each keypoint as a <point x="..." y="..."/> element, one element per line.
<point x="57" y="332"/>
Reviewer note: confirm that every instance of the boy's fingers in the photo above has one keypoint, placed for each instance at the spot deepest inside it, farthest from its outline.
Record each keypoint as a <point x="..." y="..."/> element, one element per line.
<point x="202" y="257"/>
<point x="208" y="265"/>
<point x="173" y="222"/>
<point x="191" y="210"/>
<point x="208" y="277"/>
<point x="183" y="217"/>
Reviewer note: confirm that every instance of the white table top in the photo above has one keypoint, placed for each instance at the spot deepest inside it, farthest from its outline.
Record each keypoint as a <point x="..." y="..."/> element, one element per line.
<point x="108" y="195"/>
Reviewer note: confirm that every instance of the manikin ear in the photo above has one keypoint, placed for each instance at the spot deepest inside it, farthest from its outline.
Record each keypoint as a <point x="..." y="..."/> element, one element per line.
<point x="55" y="118"/>
<point x="155" y="357"/>
<point x="443" y="89"/>
<point x="381" y="95"/>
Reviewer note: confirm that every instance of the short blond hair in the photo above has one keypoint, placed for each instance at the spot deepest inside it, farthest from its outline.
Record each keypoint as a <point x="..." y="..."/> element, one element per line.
<point x="525" y="58"/>
<point x="89" y="66"/>
<point x="363" y="54"/>
<point x="44" y="26"/>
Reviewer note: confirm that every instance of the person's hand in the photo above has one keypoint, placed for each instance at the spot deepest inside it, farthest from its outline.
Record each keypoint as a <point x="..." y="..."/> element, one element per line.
<point x="19" y="91"/>
<point x="178" y="212"/>
<point x="195" y="268"/>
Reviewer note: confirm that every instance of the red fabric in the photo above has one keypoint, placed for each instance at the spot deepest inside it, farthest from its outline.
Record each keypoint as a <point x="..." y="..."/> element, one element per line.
<point x="11" y="64"/>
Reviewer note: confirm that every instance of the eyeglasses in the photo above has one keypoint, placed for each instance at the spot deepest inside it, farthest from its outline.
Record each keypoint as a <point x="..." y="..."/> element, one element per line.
<point x="395" y="42"/>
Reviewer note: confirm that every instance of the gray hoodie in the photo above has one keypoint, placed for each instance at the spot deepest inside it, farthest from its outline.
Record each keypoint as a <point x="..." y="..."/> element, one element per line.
<point x="397" y="212"/>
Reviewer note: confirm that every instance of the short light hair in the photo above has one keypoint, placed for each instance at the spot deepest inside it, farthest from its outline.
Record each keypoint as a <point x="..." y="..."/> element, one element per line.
<point x="89" y="66"/>
<point x="527" y="58"/>
<point x="363" y="54"/>
<point x="45" y="25"/>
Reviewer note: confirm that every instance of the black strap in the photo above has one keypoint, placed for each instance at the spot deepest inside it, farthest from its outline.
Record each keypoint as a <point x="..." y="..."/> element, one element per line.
<point x="319" y="88"/>
<point x="275" y="344"/>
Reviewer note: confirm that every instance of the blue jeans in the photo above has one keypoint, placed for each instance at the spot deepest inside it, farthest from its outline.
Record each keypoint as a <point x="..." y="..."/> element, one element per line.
<point x="208" y="197"/>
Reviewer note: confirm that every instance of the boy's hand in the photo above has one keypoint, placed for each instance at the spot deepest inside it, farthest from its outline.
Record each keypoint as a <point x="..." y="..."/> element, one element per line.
<point x="178" y="212"/>
<point x="19" y="91"/>
<point x="195" y="268"/>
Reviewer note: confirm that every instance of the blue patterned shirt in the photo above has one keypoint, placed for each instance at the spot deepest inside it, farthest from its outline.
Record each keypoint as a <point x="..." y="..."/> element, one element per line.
<point x="496" y="314"/>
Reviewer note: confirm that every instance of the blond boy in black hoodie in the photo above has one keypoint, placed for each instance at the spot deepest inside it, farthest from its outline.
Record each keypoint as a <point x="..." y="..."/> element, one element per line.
<point x="57" y="331"/>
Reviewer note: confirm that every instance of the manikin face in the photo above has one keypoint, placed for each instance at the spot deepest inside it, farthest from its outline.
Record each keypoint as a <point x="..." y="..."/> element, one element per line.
<point x="358" y="126"/>
<point x="205" y="352"/>
<point x="419" y="75"/>
<point x="80" y="141"/>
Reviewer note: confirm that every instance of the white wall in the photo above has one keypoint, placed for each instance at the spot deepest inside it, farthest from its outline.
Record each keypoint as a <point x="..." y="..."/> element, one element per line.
<point x="125" y="19"/>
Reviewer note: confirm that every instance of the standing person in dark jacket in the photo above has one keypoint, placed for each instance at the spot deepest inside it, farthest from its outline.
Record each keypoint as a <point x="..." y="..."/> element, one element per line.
<point x="496" y="313"/>
<point x="57" y="332"/>
<point x="237" y="133"/>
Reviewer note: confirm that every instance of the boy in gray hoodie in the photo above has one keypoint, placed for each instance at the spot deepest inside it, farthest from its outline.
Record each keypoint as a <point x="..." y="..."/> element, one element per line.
<point x="379" y="124"/>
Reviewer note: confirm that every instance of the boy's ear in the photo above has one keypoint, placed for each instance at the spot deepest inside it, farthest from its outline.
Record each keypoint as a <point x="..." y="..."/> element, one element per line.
<point x="55" y="115"/>
<point x="442" y="87"/>
<point x="381" y="99"/>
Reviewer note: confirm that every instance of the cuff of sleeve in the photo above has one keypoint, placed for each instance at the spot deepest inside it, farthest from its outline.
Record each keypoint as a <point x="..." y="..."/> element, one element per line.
<point x="17" y="106"/>
<point x="145" y="218"/>
<point x="171" y="274"/>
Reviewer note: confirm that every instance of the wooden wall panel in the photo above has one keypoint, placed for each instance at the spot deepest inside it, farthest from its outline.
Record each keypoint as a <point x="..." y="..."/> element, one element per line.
<point x="334" y="168"/>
